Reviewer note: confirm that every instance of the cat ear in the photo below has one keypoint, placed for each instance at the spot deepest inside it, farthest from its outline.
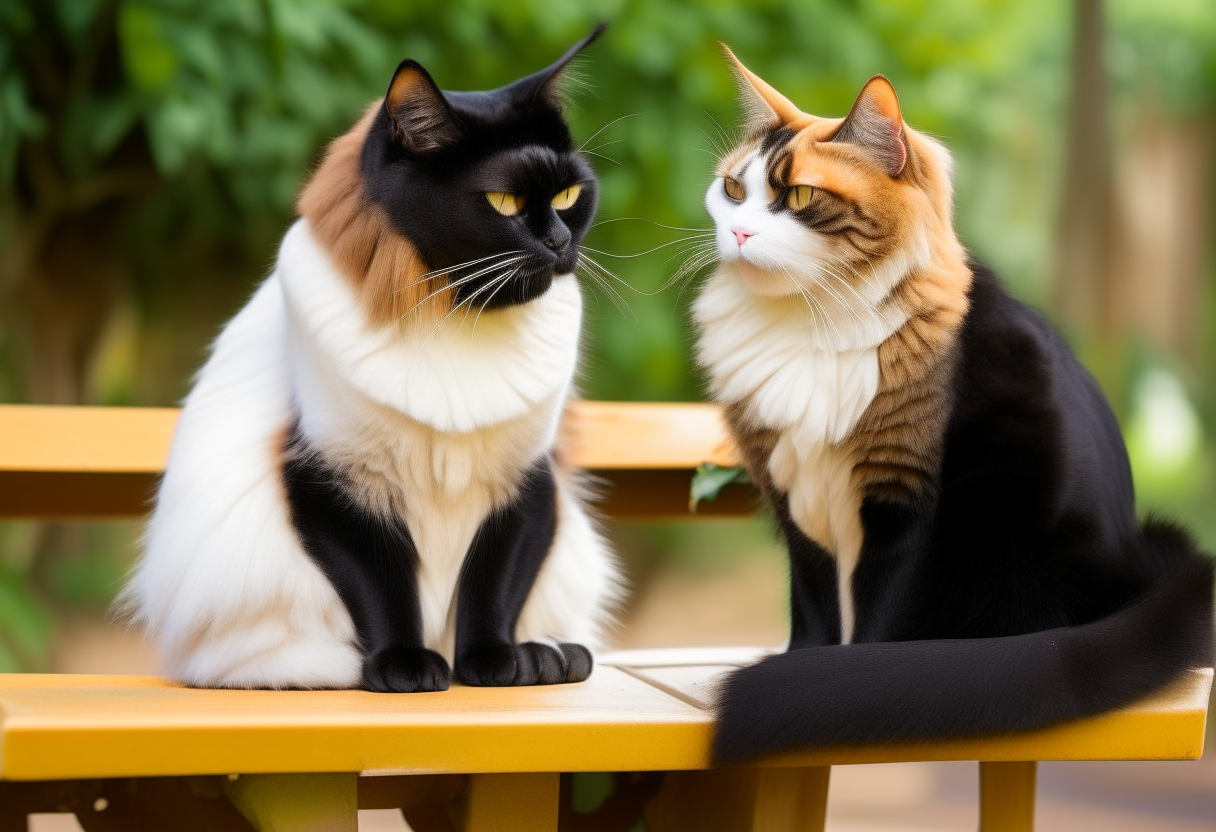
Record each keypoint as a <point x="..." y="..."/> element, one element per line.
<point x="546" y="85"/>
<point x="875" y="124"/>
<point x="422" y="118"/>
<point x="763" y="106"/>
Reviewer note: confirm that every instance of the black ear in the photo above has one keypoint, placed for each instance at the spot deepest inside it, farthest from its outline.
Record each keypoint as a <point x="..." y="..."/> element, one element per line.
<point x="422" y="118"/>
<point x="546" y="85"/>
<point x="876" y="125"/>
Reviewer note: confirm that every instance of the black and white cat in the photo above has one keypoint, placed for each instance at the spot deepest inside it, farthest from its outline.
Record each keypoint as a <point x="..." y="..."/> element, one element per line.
<point x="362" y="490"/>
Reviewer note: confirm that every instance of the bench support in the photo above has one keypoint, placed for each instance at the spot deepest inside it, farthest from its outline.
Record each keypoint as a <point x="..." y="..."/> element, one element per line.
<point x="741" y="800"/>
<point x="297" y="802"/>
<point x="1007" y="797"/>
<point x="513" y="803"/>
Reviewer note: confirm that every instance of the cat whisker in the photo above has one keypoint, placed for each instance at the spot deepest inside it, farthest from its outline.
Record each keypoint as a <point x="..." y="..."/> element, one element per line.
<point x="453" y="284"/>
<point x="592" y="267"/>
<point x="503" y="281"/>
<point x="605" y="127"/>
<point x="652" y="222"/>
<point x="605" y="158"/>
<point x="608" y="286"/>
<point x="458" y="267"/>
<point x="642" y="253"/>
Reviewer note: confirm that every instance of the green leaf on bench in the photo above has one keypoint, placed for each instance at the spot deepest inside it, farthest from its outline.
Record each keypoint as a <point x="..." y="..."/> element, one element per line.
<point x="709" y="479"/>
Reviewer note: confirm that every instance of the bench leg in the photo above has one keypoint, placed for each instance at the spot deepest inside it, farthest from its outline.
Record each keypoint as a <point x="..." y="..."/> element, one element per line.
<point x="297" y="802"/>
<point x="1007" y="797"/>
<point x="512" y="803"/>
<point x="741" y="800"/>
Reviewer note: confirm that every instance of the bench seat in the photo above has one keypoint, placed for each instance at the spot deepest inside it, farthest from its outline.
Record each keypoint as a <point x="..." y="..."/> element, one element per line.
<point x="117" y="749"/>
<point x="640" y="711"/>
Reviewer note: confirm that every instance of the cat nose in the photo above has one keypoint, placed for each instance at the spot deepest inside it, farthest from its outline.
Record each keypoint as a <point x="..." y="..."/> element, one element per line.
<point x="558" y="241"/>
<point x="741" y="234"/>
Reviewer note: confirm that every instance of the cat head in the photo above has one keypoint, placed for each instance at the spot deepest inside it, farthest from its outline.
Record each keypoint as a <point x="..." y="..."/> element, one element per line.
<point x="440" y="198"/>
<point x="829" y="205"/>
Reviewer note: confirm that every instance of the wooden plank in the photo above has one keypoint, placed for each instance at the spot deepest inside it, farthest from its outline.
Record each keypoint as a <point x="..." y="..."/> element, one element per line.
<point x="80" y="439"/>
<point x="602" y="435"/>
<point x="1166" y="726"/>
<point x="95" y="462"/>
<point x="76" y="726"/>
<point x="647" y="435"/>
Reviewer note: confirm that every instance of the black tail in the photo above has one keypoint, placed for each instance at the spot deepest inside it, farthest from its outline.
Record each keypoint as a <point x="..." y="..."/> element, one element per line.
<point x="918" y="690"/>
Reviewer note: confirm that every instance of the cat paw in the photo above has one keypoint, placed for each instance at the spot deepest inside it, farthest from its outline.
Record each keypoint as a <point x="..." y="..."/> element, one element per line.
<point x="405" y="670"/>
<point x="530" y="663"/>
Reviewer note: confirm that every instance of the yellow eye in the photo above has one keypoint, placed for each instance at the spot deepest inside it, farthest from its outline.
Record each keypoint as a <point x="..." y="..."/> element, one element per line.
<point x="734" y="189"/>
<point x="567" y="198"/>
<point x="506" y="204"/>
<point x="799" y="197"/>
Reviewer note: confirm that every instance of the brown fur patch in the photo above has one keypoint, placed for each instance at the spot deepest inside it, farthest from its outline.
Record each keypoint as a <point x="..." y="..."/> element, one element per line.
<point x="382" y="265"/>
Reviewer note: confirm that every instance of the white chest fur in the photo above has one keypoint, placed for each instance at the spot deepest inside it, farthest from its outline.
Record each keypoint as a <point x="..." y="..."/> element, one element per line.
<point x="811" y="383"/>
<point x="435" y="423"/>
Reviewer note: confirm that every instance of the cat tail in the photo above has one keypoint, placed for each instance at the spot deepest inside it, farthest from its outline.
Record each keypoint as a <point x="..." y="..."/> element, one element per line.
<point x="922" y="690"/>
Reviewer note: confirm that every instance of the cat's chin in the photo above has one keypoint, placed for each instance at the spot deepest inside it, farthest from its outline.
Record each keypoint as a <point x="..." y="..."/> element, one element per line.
<point x="761" y="281"/>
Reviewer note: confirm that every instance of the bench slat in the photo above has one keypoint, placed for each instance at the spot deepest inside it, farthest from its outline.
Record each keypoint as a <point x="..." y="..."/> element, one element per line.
<point x="623" y="719"/>
<point x="79" y="462"/>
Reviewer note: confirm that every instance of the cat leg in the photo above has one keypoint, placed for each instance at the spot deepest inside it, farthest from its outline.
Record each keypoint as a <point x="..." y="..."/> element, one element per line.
<point x="896" y="530"/>
<point x="814" y="598"/>
<point x="372" y="562"/>
<point x="498" y="575"/>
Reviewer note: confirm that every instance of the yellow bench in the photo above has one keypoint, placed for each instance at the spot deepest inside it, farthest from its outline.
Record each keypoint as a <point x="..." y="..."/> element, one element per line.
<point x="121" y="751"/>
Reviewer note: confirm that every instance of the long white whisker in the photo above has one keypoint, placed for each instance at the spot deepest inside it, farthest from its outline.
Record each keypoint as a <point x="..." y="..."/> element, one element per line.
<point x="453" y="284"/>
<point x="605" y="127"/>
<point x="458" y="267"/>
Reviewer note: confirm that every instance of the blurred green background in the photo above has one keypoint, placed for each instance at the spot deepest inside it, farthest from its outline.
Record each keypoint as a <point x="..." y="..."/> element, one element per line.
<point x="150" y="151"/>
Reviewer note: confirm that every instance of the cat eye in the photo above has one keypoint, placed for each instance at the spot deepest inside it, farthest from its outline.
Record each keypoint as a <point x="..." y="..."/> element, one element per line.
<point x="798" y="197"/>
<point x="506" y="204"/>
<point x="734" y="189"/>
<point x="567" y="198"/>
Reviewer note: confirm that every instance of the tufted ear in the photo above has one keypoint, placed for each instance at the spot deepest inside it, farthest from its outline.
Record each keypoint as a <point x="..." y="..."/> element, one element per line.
<point x="422" y="119"/>
<point x="546" y="84"/>
<point x="763" y="106"/>
<point x="876" y="125"/>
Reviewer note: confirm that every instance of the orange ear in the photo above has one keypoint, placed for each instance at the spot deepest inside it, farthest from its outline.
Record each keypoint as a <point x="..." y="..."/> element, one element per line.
<point x="876" y="125"/>
<point x="761" y="103"/>
<point x="422" y="119"/>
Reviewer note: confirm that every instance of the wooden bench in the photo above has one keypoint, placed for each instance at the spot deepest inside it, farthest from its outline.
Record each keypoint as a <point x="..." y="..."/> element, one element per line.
<point x="126" y="752"/>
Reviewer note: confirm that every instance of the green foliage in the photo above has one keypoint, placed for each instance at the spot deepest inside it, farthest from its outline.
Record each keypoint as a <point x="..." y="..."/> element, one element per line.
<point x="187" y="126"/>
<point x="709" y="479"/>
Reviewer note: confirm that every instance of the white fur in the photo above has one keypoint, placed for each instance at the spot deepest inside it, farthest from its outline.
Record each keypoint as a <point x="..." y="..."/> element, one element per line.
<point x="435" y="423"/>
<point x="782" y="331"/>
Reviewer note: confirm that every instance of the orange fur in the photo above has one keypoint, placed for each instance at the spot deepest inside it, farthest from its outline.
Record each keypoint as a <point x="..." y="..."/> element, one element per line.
<point x="383" y="266"/>
<point x="896" y="443"/>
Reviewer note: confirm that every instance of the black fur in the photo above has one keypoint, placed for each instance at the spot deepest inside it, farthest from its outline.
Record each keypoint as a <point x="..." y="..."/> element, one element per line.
<point x="372" y="562"/>
<point x="512" y="139"/>
<point x="1019" y="592"/>
<point x="506" y="554"/>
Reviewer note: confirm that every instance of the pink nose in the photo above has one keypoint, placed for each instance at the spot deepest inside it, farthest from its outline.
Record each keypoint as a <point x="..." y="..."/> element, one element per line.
<point x="741" y="234"/>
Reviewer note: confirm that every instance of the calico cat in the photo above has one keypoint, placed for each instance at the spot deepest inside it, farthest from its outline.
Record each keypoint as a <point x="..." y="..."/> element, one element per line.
<point x="951" y="485"/>
<point x="364" y="490"/>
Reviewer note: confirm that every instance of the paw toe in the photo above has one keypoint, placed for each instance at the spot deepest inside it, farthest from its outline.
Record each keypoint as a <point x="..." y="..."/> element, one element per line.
<point x="406" y="670"/>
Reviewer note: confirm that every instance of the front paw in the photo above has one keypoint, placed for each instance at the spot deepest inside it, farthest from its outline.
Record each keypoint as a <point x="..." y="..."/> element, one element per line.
<point x="530" y="663"/>
<point x="405" y="670"/>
